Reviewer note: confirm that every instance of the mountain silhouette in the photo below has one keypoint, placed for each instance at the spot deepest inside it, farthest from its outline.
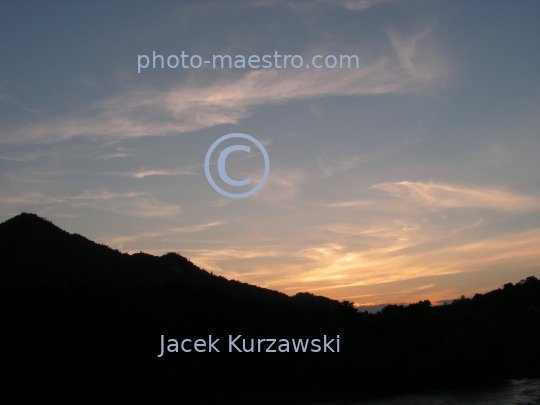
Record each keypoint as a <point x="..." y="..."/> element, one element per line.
<point x="81" y="321"/>
<point x="34" y="247"/>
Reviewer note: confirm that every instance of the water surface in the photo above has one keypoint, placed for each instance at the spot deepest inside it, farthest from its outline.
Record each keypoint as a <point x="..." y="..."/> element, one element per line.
<point x="514" y="392"/>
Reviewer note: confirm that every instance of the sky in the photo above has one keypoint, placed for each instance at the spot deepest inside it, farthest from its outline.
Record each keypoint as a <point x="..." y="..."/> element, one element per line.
<point x="414" y="175"/>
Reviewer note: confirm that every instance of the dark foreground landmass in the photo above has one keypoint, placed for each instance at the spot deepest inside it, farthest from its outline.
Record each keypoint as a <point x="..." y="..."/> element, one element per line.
<point x="82" y="322"/>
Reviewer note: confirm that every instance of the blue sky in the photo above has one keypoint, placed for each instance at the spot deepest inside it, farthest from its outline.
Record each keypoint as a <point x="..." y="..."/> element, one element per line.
<point x="414" y="176"/>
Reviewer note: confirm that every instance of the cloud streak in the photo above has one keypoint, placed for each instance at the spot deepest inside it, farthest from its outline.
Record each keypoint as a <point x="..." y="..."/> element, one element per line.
<point x="456" y="196"/>
<point x="146" y="173"/>
<point x="409" y="231"/>
<point x="335" y="267"/>
<point x="135" y="204"/>
<point x="193" y="106"/>
<point x="354" y="5"/>
<point x="121" y="241"/>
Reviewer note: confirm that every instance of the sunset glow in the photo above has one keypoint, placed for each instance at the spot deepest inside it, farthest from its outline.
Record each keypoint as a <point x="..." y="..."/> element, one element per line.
<point x="414" y="176"/>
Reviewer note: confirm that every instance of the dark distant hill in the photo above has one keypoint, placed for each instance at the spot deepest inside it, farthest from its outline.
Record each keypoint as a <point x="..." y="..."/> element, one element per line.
<point x="33" y="247"/>
<point x="83" y="323"/>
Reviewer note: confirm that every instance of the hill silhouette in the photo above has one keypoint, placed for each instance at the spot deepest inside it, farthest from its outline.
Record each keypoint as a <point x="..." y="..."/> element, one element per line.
<point x="83" y="321"/>
<point x="34" y="247"/>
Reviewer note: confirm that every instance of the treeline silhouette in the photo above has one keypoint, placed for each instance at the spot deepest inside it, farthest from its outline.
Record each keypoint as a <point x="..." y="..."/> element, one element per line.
<point x="81" y="321"/>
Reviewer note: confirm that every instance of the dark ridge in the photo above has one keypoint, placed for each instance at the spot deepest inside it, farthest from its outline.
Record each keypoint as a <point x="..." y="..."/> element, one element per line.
<point x="312" y="299"/>
<point x="81" y="321"/>
<point x="33" y="247"/>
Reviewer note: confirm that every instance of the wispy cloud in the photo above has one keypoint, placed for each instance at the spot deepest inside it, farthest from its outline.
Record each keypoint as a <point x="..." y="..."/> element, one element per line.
<point x="136" y="204"/>
<point x="418" y="58"/>
<point x="282" y="185"/>
<point x="355" y="5"/>
<point x="457" y="196"/>
<point x="192" y="106"/>
<point x="335" y="267"/>
<point x="30" y="198"/>
<point x="331" y="167"/>
<point x="409" y="231"/>
<point x="440" y="195"/>
<point x="19" y="102"/>
<point x="359" y="5"/>
<point x="146" y="173"/>
<point x="113" y="156"/>
<point x="22" y="158"/>
<point x="220" y="260"/>
<point x="121" y="242"/>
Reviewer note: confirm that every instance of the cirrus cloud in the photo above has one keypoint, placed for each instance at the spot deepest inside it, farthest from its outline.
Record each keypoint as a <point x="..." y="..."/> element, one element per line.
<point x="457" y="196"/>
<point x="410" y="67"/>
